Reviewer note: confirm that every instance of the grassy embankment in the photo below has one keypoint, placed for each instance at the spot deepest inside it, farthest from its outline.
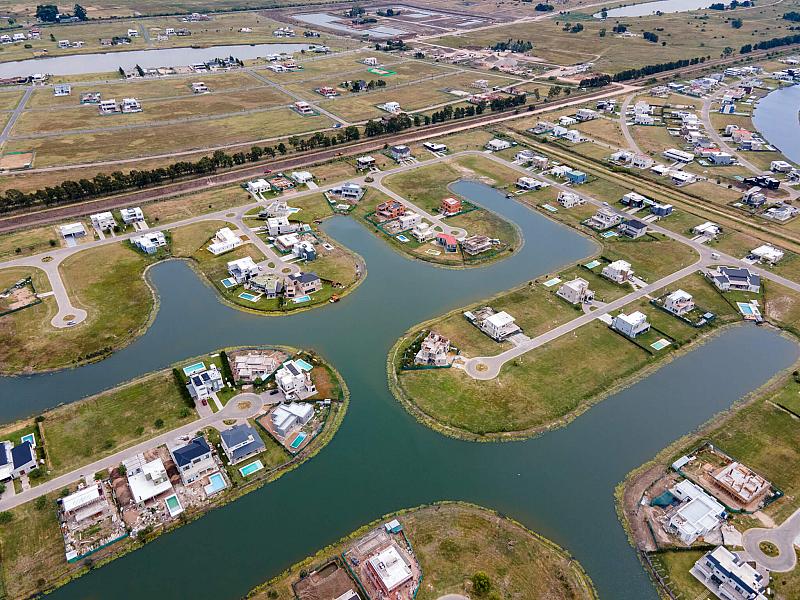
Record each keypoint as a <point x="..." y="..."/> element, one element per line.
<point x="452" y="542"/>
<point x="31" y="544"/>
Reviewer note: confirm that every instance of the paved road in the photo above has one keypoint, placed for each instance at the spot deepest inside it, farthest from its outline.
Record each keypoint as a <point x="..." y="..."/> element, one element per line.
<point x="784" y="537"/>
<point x="243" y="406"/>
<point x="623" y="123"/>
<point x="15" y="115"/>
<point x="297" y="97"/>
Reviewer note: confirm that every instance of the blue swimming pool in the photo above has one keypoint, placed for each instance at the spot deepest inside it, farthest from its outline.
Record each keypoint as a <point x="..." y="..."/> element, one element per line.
<point x="198" y="366"/>
<point x="29" y="438"/>
<point x="251" y="468"/>
<point x="217" y="483"/>
<point x="301" y="299"/>
<point x="248" y="296"/>
<point x="228" y="282"/>
<point x="303" y="364"/>
<point x="403" y="238"/>
<point x="297" y="442"/>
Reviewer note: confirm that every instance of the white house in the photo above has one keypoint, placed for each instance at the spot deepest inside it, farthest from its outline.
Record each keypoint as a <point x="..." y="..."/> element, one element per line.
<point x="280" y="226"/>
<point x="294" y="381"/>
<point x="631" y="325"/>
<point x="193" y="459"/>
<point x="224" y="241"/>
<point x="576" y="291"/>
<point x="103" y="221"/>
<point x="698" y="513"/>
<point x="365" y="162"/>
<point x="735" y="279"/>
<point x="780" y="166"/>
<point x="633" y="228"/>
<point x="435" y="146"/>
<point x="286" y="418"/>
<point x="604" y="218"/>
<point x="131" y="105"/>
<point x="586" y="114"/>
<point x="678" y="155"/>
<point x="618" y="271"/>
<point x="150" y="242"/>
<point x="730" y="577"/>
<point x="243" y="269"/>
<point x="348" y="191"/>
<point x="146" y="479"/>
<point x="409" y="220"/>
<point x="526" y="157"/>
<point x="644" y="119"/>
<point x="258" y="186"/>
<point x="370" y="61"/>
<point x="767" y="253"/>
<point x="391" y="107"/>
<point x="302" y="176"/>
<point x="72" y="231"/>
<point x="496" y="145"/>
<point x="131" y="215"/>
<point x="423" y="232"/>
<point x="679" y="302"/>
<point x="569" y="199"/>
<point x="682" y="177"/>
<point x="205" y="382"/>
<point x="529" y="183"/>
<point x="707" y="229"/>
<point x="499" y="326"/>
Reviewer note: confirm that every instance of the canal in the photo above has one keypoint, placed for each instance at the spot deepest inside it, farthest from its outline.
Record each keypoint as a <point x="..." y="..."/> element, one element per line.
<point x="560" y="484"/>
<point x="651" y="8"/>
<point x="776" y="118"/>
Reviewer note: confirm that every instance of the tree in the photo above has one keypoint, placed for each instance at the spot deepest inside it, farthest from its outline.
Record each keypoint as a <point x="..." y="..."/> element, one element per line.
<point x="40" y="503"/>
<point x="481" y="584"/>
<point x="159" y="423"/>
<point x="737" y="23"/>
<point x="47" y="13"/>
<point x="80" y="12"/>
<point x="6" y="517"/>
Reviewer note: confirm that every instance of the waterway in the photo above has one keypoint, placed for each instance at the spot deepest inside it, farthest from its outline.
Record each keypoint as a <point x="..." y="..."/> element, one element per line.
<point x="776" y="118"/>
<point x="650" y="8"/>
<point x="79" y="64"/>
<point x="560" y="484"/>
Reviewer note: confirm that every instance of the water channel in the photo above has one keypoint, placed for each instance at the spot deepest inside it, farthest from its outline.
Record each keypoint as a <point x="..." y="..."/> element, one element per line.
<point x="560" y="484"/>
<point x="105" y="62"/>
<point x="651" y="8"/>
<point x="776" y="118"/>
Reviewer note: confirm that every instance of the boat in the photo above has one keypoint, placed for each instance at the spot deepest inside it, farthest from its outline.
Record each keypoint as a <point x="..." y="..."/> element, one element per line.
<point x="334" y="298"/>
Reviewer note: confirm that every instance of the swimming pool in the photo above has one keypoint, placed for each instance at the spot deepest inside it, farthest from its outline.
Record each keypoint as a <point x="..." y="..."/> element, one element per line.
<point x="29" y="438"/>
<point x="660" y="344"/>
<point x="173" y="505"/>
<point x="592" y="264"/>
<point x="301" y="299"/>
<point x="550" y="208"/>
<point x="228" y="282"/>
<point x="251" y="468"/>
<point x="249" y="296"/>
<point x="217" y="483"/>
<point x="552" y="282"/>
<point x="403" y="238"/>
<point x="301" y="437"/>
<point x="303" y="364"/>
<point x="609" y="234"/>
<point x="198" y="366"/>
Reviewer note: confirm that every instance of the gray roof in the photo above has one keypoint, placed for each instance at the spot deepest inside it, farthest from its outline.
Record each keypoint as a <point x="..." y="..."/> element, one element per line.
<point x="22" y="455"/>
<point x="194" y="449"/>
<point x="238" y="434"/>
<point x="635" y="224"/>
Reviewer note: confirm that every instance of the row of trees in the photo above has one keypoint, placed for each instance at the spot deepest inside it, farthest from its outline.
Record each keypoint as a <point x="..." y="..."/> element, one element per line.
<point x="49" y="13"/>
<point x="513" y="46"/>
<point x="793" y="16"/>
<point x="596" y="81"/>
<point x="650" y="36"/>
<point x="773" y="43"/>
<point x="659" y="68"/>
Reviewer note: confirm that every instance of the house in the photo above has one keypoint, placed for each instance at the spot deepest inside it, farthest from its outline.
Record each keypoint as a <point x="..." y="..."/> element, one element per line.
<point x="193" y="460"/>
<point x="280" y="184"/>
<point x="679" y="303"/>
<point x="131" y="105"/>
<point x="644" y="119"/>
<point x="434" y="350"/>
<point x="475" y="244"/>
<point x="642" y="108"/>
<point x="781" y="212"/>
<point x="243" y="269"/>
<point x="72" y="231"/>
<point x="132" y="33"/>
<point x="400" y="153"/>
<point x="720" y="158"/>
<point x="131" y="215"/>
<point x="286" y="242"/>
<point x="621" y="156"/>
<point x="391" y="209"/>
<point x="735" y="279"/>
<point x="661" y="210"/>
<point x="302" y="177"/>
<point x="205" y="382"/>
<point x="294" y="381"/>
<point x="103" y="221"/>
<point x="16" y="460"/>
<point x="108" y="107"/>
<point x="698" y="513"/>
<point x="258" y="186"/>
<point x="391" y="107"/>
<point x="633" y="228"/>
<point x="269" y="285"/>
<point x="240" y="442"/>
<point x="150" y="242"/>
<point x="567" y="121"/>
<point x="389" y="569"/>
<point x="280" y="226"/>
<point x="634" y="200"/>
<point x="304" y="250"/>
<point x="574" y="136"/>
<point x="278" y="208"/>
<point x="707" y="229"/>
<point x="536" y="161"/>
<point x="199" y="87"/>
<point x="780" y="166"/>
<point x="434" y="147"/>
<point x="450" y="206"/>
<point x="496" y="145"/>
<point x="682" y="177"/>
<point x="631" y="325"/>
<point x="370" y="61"/>
<point x="304" y="108"/>
<point x="729" y="577"/>
<point x="252" y="367"/>
<point x="676" y="155"/>
<point x="576" y="291"/>
<point x="288" y="417"/>
<point x="569" y="199"/>
<point x="447" y="241"/>
<point x="224" y="241"/>
<point x="423" y="232"/>
<point x="62" y="89"/>
<point x="640" y="161"/>
<point x="61" y="43"/>
<point x="409" y="220"/>
<point x="603" y="219"/>
<point x="741" y="483"/>
<point x="348" y="191"/>
<point x="86" y="503"/>
<point x="302" y="284"/>
<point x="146" y="480"/>
<point x="576" y="177"/>
<point x="586" y="114"/>
<point x="327" y="91"/>
<point x="618" y="271"/>
<point x="767" y="253"/>
<point x="365" y="162"/>
<point x="529" y="183"/>
<point x="763" y="181"/>
<point x="499" y="326"/>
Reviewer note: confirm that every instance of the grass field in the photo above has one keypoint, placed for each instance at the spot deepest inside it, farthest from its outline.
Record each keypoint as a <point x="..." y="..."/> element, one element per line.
<point x="27" y="241"/>
<point x="454" y="541"/>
